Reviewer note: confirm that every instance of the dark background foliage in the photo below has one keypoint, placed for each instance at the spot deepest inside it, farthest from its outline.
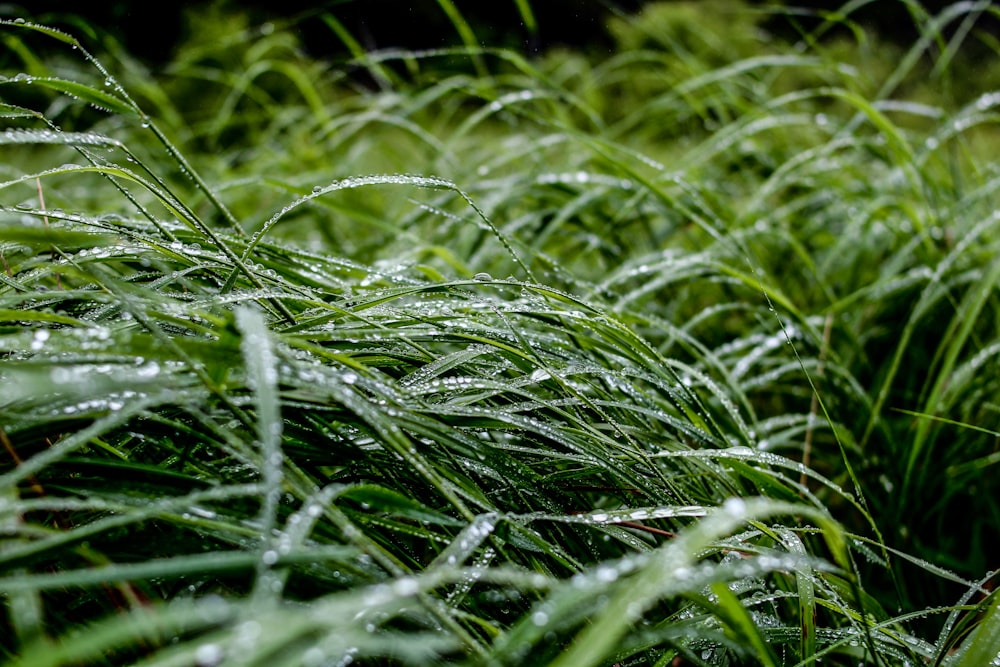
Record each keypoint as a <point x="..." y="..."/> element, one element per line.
<point x="151" y="32"/>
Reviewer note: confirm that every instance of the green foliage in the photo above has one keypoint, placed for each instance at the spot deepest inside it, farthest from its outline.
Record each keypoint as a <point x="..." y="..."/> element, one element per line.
<point x="684" y="355"/>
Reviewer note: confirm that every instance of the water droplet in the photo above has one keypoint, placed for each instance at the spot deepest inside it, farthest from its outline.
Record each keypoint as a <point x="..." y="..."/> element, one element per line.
<point x="208" y="655"/>
<point x="405" y="586"/>
<point x="539" y="374"/>
<point x="482" y="277"/>
<point x="737" y="507"/>
<point x="38" y="340"/>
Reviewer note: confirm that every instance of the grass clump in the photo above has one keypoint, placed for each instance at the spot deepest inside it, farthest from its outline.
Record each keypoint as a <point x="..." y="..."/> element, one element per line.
<point x="677" y="357"/>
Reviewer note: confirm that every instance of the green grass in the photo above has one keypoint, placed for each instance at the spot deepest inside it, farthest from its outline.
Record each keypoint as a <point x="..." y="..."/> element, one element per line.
<point x="686" y="353"/>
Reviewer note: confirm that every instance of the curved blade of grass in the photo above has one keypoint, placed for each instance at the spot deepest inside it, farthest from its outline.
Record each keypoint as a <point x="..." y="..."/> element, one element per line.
<point x="467" y="35"/>
<point x="660" y="576"/>
<point x="92" y="96"/>
<point x="262" y="376"/>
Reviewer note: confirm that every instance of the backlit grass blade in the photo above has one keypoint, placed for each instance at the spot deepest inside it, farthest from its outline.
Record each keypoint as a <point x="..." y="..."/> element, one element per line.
<point x="262" y="378"/>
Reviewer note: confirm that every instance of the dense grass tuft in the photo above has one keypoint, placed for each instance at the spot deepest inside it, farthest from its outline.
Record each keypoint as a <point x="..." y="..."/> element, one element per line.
<point x="682" y="356"/>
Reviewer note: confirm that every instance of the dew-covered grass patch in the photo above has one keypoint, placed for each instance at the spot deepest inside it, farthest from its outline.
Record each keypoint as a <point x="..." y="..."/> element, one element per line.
<point x="680" y="355"/>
